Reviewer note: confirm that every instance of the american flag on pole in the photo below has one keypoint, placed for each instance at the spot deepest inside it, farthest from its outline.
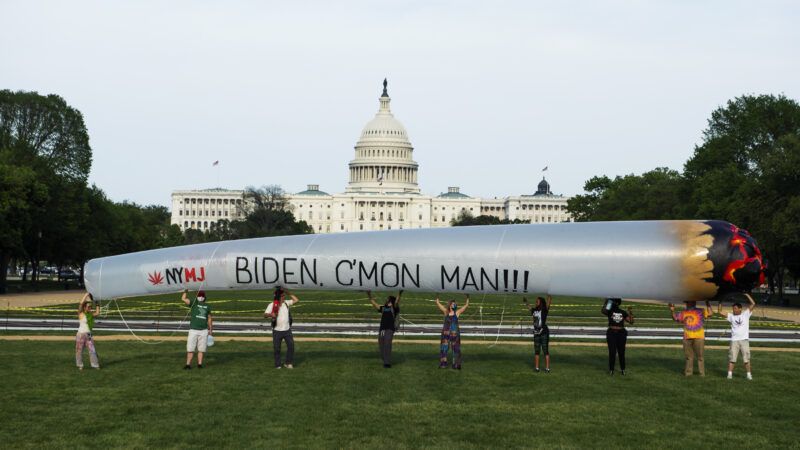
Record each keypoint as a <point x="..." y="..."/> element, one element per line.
<point x="216" y="163"/>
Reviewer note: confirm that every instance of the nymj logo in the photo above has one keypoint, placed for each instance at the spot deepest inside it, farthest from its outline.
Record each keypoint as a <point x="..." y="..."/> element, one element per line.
<point x="178" y="275"/>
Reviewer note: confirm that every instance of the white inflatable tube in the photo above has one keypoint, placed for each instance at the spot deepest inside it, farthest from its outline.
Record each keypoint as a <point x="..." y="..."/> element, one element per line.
<point x="662" y="260"/>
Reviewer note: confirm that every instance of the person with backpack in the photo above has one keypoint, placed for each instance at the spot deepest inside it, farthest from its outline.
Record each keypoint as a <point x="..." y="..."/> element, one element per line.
<point x="390" y="322"/>
<point x="281" y="317"/>
<point x="541" y="333"/>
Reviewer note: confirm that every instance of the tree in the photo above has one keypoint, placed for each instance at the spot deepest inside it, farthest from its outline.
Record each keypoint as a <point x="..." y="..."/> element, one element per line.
<point x="46" y="128"/>
<point x="267" y="213"/>
<point x="746" y="171"/>
<point x="44" y="142"/>
<point x="465" y="218"/>
<point x="659" y="194"/>
<point x="20" y="192"/>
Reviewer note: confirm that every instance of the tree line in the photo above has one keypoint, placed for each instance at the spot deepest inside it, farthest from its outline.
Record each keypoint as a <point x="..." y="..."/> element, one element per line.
<point x="746" y="170"/>
<point x="48" y="212"/>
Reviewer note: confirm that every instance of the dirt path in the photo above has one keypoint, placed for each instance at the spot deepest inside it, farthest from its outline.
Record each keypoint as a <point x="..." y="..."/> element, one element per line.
<point x="128" y="337"/>
<point x="33" y="299"/>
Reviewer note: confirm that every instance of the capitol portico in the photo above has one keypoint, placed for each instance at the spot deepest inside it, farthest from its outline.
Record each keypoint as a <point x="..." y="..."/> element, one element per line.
<point x="382" y="193"/>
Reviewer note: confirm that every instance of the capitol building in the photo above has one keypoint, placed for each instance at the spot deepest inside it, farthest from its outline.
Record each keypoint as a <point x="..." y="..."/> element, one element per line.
<point x="382" y="194"/>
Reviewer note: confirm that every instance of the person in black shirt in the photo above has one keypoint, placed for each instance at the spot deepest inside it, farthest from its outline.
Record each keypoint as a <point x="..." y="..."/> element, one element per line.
<point x="616" y="335"/>
<point x="541" y="333"/>
<point x="390" y="315"/>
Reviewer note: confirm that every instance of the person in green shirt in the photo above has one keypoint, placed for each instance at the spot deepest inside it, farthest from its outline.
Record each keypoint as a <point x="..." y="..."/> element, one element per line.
<point x="201" y="325"/>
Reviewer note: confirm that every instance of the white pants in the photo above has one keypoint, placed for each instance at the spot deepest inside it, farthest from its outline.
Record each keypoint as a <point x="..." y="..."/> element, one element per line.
<point x="197" y="341"/>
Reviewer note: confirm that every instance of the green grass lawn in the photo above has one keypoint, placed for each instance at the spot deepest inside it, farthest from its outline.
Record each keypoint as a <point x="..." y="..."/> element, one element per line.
<point x="345" y="306"/>
<point x="340" y="396"/>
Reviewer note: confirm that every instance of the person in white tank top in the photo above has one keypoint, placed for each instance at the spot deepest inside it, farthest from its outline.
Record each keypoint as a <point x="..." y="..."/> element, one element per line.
<point x="84" y="336"/>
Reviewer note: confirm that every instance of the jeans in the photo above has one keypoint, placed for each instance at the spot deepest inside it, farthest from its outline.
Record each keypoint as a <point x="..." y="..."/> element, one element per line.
<point x="277" y="337"/>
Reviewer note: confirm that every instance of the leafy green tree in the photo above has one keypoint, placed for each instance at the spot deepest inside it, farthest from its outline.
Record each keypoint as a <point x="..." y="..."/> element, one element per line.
<point x="747" y="171"/>
<point x="20" y="192"/>
<point x="44" y="139"/>
<point x="656" y="195"/>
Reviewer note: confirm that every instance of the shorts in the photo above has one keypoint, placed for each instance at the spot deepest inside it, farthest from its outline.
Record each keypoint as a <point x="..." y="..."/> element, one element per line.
<point x="541" y="342"/>
<point x="197" y="341"/>
<point x="739" y="346"/>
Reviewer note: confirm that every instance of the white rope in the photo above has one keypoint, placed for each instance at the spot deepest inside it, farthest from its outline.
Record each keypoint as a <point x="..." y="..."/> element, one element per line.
<point x="502" y="313"/>
<point x="142" y="340"/>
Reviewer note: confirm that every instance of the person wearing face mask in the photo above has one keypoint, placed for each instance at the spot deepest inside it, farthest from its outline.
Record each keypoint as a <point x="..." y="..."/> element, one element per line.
<point x="390" y="315"/>
<point x="451" y="334"/>
<point x="201" y="325"/>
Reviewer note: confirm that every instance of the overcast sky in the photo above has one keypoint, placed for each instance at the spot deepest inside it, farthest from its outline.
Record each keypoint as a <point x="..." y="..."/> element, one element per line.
<point x="490" y="92"/>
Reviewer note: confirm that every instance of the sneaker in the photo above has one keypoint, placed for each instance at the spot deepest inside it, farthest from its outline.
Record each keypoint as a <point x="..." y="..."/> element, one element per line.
<point x="750" y="376"/>
<point x="730" y="376"/>
<point x="289" y="366"/>
<point x="547" y="370"/>
<point x="199" y="366"/>
<point x="277" y="367"/>
<point x="187" y="367"/>
<point x="622" y="372"/>
<point x="536" y="369"/>
<point x="611" y="372"/>
<point x="387" y="366"/>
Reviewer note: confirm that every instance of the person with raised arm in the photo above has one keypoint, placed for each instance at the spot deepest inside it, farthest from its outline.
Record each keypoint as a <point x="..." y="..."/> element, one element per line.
<point x="390" y="316"/>
<point x="694" y="334"/>
<point x="83" y="339"/>
<point x="278" y="311"/>
<point x="616" y="334"/>
<point x="451" y="334"/>
<point x="201" y="325"/>
<point x="740" y="334"/>
<point x="541" y="333"/>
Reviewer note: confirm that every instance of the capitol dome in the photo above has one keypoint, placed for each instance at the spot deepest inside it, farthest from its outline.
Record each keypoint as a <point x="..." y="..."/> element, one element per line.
<point x="543" y="188"/>
<point x="384" y="155"/>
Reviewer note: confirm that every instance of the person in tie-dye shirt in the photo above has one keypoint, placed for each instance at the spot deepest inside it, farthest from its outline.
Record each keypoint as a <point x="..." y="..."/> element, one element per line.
<point x="694" y="334"/>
